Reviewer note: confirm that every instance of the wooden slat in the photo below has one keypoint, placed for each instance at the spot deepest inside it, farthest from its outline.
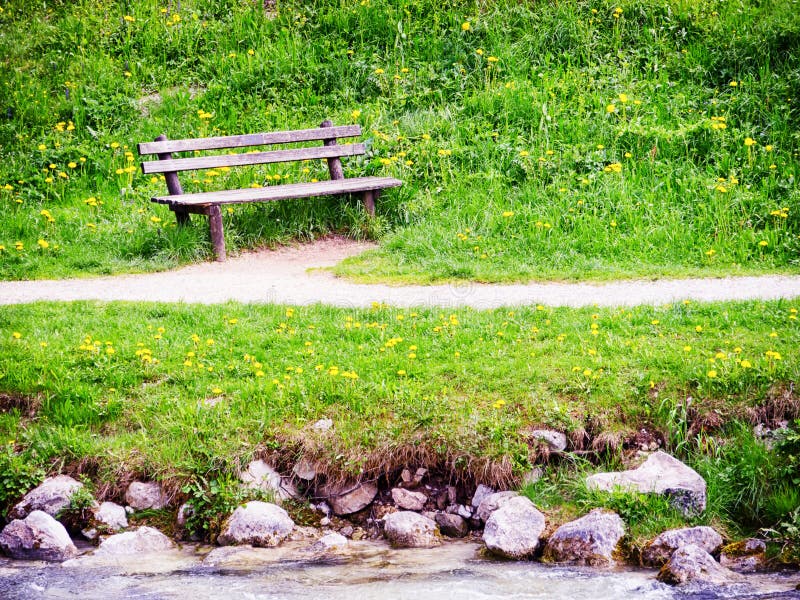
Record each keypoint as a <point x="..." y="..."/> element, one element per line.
<point x="281" y="192"/>
<point x="250" y="158"/>
<point x="253" y="139"/>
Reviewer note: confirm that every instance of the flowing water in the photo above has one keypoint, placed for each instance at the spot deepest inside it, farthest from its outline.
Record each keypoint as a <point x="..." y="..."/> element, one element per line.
<point x="367" y="571"/>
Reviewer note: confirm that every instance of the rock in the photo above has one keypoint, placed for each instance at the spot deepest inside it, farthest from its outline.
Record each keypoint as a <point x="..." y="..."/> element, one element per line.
<point x="692" y="563"/>
<point x="462" y="510"/>
<point x="660" y="474"/>
<point x="513" y="530"/>
<point x="590" y="540"/>
<point x="406" y="529"/>
<point x="143" y="495"/>
<point x="304" y="470"/>
<point x="322" y="425"/>
<point x="138" y="541"/>
<point x="185" y="511"/>
<point x="452" y="525"/>
<point x="324" y="522"/>
<point x="408" y="500"/>
<point x="532" y="476"/>
<point x="258" y="524"/>
<point x="261" y="476"/>
<point x="350" y="497"/>
<point x="555" y="440"/>
<point x="329" y="543"/>
<point x="480" y="493"/>
<point x="51" y="496"/>
<point x="37" y="537"/>
<point x="658" y="552"/>
<point x="491" y="503"/>
<point x="112" y="515"/>
<point x="347" y="531"/>
<point x="747" y="556"/>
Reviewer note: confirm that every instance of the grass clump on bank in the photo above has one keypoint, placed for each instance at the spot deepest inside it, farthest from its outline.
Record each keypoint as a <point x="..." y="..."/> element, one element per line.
<point x="185" y="394"/>
<point x="572" y="140"/>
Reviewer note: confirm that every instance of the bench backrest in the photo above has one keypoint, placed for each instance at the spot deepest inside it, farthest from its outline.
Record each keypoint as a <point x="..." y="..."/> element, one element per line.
<point x="329" y="150"/>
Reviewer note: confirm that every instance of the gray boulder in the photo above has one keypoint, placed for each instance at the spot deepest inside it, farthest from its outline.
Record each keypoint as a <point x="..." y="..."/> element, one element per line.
<point x="51" y="496"/>
<point x="590" y="540"/>
<point x="305" y="470"/>
<point x="408" y="500"/>
<point x="406" y="529"/>
<point x="480" y="493"/>
<point x="349" y="497"/>
<point x="555" y="440"/>
<point x="452" y="525"/>
<point x="747" y="556"/>
<point x="112" y="515"/>
<point x="693" y="564"/>
<point x="261" y="476"/>
<point x="37" y="537"/>
<point x="330" y="542"/>
<point x="142" y="495"/>
<point x="138" y="541"/>
<point x="660" y="474"/>
<point x="491" y="503"/>
<point x="659" y="551"/>
<point x="513" y="530"/>
<point x="257" y="524"/>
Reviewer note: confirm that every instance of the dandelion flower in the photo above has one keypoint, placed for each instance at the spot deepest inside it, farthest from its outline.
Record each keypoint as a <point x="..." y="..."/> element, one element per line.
<point x="465" y="26"/>
<point x="611" y="108"/>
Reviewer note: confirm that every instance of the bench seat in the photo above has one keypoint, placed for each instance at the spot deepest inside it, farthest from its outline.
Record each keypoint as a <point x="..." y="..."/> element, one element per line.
<point x="288" y="191"/>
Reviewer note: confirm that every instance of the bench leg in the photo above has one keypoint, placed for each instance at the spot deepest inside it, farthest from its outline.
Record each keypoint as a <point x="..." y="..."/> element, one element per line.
<point x="217" y="235"/>
<point x="181" y="215"/>
<point x="369" y="201"/>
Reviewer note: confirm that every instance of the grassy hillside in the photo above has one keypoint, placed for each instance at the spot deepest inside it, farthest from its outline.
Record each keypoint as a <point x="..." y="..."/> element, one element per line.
<point x="541" y="139"/>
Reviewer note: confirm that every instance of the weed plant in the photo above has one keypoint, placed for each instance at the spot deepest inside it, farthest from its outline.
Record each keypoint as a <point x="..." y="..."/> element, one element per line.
<point x="582" y="139"/>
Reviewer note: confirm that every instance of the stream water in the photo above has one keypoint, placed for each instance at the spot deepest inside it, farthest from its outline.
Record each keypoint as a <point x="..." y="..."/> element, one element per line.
<point x="367" y="571"/>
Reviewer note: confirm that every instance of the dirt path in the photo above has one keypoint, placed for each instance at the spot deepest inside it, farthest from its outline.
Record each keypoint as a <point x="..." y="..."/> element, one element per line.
<point x="287" y="276"/>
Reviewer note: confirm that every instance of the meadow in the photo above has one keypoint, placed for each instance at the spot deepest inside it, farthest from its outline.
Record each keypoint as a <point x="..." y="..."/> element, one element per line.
<point x="565" y="140"/>
<point x="187" y="394"/>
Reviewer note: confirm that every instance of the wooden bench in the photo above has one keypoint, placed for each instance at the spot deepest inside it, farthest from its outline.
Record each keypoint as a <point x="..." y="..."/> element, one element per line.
<point x="208" y="203"/>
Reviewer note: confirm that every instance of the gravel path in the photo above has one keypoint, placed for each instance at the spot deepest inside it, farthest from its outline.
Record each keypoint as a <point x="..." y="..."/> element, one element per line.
<point x="288" y="276"/>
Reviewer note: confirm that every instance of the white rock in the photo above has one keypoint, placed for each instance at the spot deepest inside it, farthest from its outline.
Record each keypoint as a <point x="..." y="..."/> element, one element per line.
<point x="139" y="541"/>
<point x="555" y="440"/>
<point x="747" y="556"/>
<point x="590" y="540"/>
<point x="451" y="525"/>
<point x="51" y="496"/>
<point x="491" y="503"/>
<point x="480" y="493"/>
<point x="659" y="551"/>
<point x="261" y="476"/>
<point x="692" y="563"/>
<point x="660" y="474"/>
<point x="37" y="537"/>
<point x="513" y="530"/>
<point x="258" y="524"/>
<point x="330" y="542"/>
<point x="322" y="425"/>
<point x="143" y="495"/>
<point x="112" y="515"/>
<point x="304" y="470"/>
<point x="408" y="500"/>
<point x="406" y="529"/>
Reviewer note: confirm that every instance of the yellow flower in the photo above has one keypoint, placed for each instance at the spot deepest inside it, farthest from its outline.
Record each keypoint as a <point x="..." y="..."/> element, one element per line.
<point x="16" y="335"/>
<point x="763" y="243"/>
<point x="129" y="18"/>
<point x="711" y="374"/>
<point x="768" y="147"/>
<point x="611" y="108"/>
<point x="745" y="364"/>
<point x="379" y="71"/>
<point x="216" y="390"/>
<point x="623" y="98"/>
<point x="465" y="26"/>
<point x="698" y="328"/>
<point x="748" y="141"/>
<point x="687" y="348"/>
<point x="355" y="114"/>
<point x="251" y="52"/>
<point x="493" y="59"/>
<point x="155" y="219"/>
<point x="733" y="83"/>
<point x="43" y="244"/>
<point x="498" y="404"/>
<point x="508" y="213"/>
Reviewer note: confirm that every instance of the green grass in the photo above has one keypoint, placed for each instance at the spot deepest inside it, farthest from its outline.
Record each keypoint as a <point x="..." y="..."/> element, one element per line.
<point x="182" y="392"/>
<point x="546" y="140"/>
